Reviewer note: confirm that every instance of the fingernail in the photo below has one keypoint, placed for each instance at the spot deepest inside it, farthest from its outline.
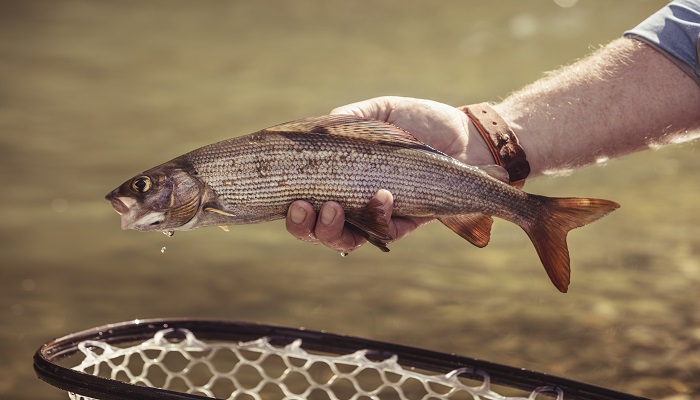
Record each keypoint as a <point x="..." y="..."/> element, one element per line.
<point x="383" y="196"/>
<point x="327" y="215"/>
<point x="298" y="214"/>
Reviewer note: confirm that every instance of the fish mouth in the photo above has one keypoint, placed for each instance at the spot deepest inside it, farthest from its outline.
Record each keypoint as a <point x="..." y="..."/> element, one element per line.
<point x="117" y="204"/>
<point x="131" y="218"/>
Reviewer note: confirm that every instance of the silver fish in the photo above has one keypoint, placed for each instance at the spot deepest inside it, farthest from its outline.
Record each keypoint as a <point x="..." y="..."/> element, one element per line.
<point x="254" y="178"/>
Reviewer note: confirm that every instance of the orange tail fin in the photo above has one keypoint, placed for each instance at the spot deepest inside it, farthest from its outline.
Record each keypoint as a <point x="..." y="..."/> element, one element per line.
<point x="548" y="231"/>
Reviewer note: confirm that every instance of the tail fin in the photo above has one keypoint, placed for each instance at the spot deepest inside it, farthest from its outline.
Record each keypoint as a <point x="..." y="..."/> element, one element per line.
<point x="548" y="231"/>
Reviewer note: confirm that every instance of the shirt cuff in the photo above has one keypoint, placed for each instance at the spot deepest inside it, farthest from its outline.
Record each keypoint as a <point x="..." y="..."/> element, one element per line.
<point x="675" y="32"/>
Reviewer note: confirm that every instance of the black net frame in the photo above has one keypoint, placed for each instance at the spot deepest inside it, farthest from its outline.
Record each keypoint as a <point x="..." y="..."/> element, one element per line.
<point x="48" y="370"/>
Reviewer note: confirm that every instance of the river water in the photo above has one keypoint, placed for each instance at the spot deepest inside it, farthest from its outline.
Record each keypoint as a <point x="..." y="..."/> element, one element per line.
<point x="92" y="93"/>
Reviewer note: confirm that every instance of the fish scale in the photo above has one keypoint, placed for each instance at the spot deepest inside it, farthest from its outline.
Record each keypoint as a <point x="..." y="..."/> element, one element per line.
<point x="349" y="172"/>
<point x="254" y="178"/>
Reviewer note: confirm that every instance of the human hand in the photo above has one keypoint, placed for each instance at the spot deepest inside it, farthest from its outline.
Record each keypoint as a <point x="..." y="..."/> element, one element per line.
<point x="438" y="125"/>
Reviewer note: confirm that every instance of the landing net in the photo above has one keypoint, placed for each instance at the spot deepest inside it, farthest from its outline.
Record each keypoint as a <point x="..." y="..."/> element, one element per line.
<point x="259" y="370"/>
<point x="173" y="363"/>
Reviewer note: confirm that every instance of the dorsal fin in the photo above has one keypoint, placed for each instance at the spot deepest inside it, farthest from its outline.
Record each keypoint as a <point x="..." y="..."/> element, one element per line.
<point x="354" y="128"/>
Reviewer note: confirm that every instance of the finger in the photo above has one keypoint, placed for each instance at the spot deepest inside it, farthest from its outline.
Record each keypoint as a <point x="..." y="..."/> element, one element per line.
<point x="301" y="221"/>
<point x="331" y="231"/>
<point x="363" y="109"/>
<point x="387" y="201"/>
<point x="377" y="108"/>
<point x="405" y="225"/>
<point x="398" y="226"/>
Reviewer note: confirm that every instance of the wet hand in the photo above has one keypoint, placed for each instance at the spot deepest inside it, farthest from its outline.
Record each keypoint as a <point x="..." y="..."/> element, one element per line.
<point x="328" y="226"/>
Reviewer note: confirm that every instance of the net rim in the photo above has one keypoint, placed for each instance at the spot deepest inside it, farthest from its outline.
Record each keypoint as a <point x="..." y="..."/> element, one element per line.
<point x="223" y="330"/>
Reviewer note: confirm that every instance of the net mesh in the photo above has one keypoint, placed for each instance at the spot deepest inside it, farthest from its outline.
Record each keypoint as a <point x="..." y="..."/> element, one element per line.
<point x="259" y="369"/>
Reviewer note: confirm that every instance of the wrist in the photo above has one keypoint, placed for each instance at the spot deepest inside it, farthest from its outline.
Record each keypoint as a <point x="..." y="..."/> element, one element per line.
<point x="500" y="140"/>
<point x="477" y="151"/>
<point x="518" y="122"/>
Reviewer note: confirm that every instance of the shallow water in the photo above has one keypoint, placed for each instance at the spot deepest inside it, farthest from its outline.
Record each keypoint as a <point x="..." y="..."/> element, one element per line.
<point x="93" y="92"/>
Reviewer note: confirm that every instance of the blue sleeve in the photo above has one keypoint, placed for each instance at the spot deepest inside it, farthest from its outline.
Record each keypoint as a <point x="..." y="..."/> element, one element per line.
<point x="674" y="31"/>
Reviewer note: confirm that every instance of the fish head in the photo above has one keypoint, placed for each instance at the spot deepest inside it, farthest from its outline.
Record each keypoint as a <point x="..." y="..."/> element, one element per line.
<point x="164" y="198"/>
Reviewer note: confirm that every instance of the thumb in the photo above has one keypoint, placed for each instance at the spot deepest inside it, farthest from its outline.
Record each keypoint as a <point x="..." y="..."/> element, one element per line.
<point x="376" y="108"/>
<point x="387" y="200"/>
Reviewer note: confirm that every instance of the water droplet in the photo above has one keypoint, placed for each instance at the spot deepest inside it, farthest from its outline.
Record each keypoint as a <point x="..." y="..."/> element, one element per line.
<point x="343" y="254"/>
<point x="162" y="249"/>
<point x="169" y="233"/>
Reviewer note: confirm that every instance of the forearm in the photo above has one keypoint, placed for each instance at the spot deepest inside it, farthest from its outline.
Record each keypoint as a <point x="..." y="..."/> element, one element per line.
<point x="624" y="98"/>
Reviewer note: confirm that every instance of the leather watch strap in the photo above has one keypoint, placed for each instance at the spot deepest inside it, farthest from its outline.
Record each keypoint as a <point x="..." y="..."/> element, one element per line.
<point x="501" y="140"/>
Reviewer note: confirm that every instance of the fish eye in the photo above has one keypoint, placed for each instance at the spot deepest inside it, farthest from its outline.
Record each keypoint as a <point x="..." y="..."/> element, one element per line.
<point x="141" y="184"/>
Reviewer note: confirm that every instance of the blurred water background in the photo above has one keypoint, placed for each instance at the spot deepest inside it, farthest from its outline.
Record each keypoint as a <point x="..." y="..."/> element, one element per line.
<point x="92" y="93"/>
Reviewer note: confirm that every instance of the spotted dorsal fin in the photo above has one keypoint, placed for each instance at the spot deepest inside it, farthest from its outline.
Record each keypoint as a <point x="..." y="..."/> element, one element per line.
<point x="353" y="127"/>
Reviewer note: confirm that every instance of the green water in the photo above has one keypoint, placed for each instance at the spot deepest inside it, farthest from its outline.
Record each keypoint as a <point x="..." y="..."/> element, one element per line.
<point x="93" y="92"/>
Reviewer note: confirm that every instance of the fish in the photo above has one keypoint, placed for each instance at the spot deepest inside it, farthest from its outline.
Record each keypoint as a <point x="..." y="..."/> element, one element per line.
<point x="254" y="178"/>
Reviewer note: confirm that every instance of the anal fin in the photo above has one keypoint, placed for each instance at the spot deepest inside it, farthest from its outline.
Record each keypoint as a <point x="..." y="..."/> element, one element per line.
<point x="475" y="227"/>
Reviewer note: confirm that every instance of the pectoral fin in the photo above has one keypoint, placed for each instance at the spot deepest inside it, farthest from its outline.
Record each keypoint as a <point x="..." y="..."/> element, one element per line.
<point x="218" y="211"/>
<point x="474" y="227"/>
<point x="370" y="222"/>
